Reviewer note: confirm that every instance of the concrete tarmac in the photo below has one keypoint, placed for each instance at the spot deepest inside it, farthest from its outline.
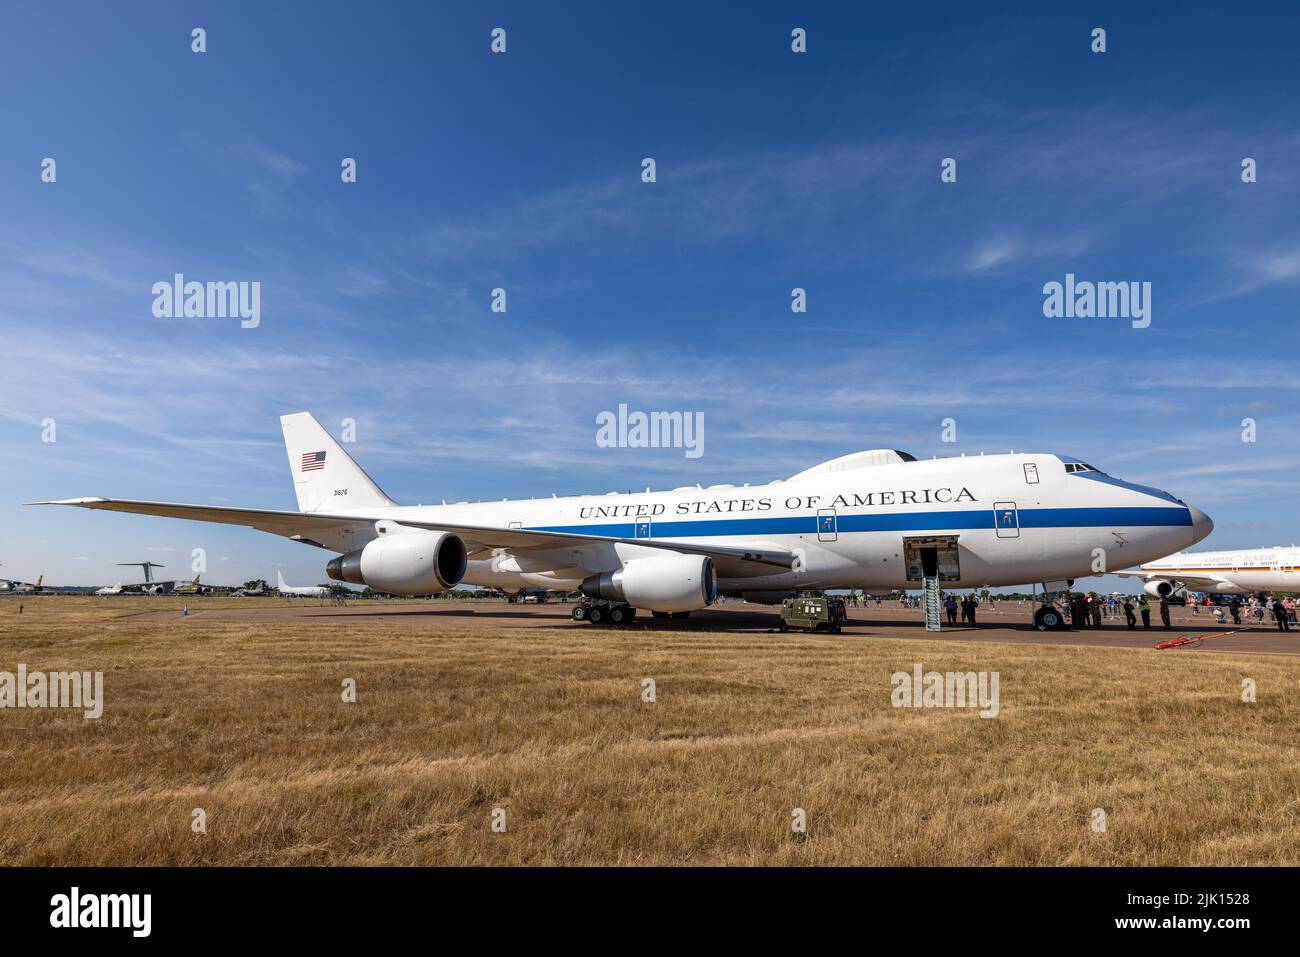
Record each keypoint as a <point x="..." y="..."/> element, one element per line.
<point x="1008" y="623"/>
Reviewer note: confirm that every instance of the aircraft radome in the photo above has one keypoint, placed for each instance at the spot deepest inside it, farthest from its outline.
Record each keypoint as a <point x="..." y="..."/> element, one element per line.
<point x="872" y="520"/>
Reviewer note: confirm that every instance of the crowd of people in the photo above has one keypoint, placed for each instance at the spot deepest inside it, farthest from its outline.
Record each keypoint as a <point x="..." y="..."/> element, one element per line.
<point x="1089" y="609"/>
<point x="969" y="604"/>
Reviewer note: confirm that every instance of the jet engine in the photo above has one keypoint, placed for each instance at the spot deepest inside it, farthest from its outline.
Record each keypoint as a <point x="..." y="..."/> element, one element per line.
<point x="662" y="583"/>
<point x="410" y="563"/>
<point x="1158" y="589"/>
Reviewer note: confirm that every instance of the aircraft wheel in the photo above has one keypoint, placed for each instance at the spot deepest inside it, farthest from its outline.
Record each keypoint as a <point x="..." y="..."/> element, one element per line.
<point x="618" y="616"/>
<point x="597" y="615"/>
<point x="1048" y="619"/>
<point x="631" y="614"/>
<point x="580" y="612"/>
<point x="783" y="626"/>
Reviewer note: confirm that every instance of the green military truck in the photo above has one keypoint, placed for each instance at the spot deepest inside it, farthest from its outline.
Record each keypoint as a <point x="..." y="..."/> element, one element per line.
<point x="813" y="613"/>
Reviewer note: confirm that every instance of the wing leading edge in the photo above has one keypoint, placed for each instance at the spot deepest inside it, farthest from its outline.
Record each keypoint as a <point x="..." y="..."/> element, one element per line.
<point x="737" y="562"/>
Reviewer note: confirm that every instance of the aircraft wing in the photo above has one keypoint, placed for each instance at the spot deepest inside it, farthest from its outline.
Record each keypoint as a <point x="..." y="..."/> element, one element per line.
<point x="732" y="562"/>
<point x="288" y="524"/>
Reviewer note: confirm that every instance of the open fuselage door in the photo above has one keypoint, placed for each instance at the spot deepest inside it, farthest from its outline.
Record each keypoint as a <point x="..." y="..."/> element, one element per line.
<point x="932" y="556"/>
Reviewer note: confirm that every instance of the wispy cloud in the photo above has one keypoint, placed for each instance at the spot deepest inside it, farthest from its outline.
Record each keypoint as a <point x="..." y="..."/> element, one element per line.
<point x="271" y="160"/>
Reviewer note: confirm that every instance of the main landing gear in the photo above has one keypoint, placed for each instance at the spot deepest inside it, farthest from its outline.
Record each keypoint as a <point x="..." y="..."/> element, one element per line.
<point x="604" y="612"/>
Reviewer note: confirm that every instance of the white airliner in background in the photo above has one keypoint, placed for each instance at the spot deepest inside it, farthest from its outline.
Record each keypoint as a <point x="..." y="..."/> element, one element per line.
<point x="1241" y="570"/>
<point x="307" y="591"/>
<point x="872" y="520"/>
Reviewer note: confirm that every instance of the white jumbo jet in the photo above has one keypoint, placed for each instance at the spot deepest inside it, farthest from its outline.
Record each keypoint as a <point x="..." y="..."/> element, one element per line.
<point x="1228" y="572"/>
<point x="873" y="520"/>
<point x="307" y="591"/>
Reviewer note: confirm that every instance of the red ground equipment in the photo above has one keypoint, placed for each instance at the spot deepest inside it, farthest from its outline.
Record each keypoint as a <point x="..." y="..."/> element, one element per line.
<point x="1184" y="640"/>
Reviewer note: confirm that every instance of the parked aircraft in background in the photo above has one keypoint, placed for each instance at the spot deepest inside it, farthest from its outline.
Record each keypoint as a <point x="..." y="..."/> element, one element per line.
<point x="307" y="591"/>
<point x="10" y="587"/>
<point x="872" y="520"/>
<point x="147" y="587"/>
<point x="531" y="596"/>
<point x="1240" y="570"/>
<point x="257" y="591"/>
<point x="191" y="588"/>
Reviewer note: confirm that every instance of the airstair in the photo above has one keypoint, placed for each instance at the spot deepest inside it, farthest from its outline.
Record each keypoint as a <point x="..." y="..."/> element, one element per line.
<point x="930" y="594"/>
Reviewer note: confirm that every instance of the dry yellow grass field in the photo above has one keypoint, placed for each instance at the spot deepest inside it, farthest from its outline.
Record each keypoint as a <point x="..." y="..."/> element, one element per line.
<point x="247" y="722"/>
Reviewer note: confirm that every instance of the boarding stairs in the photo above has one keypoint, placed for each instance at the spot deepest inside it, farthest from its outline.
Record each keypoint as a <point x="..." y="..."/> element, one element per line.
<point x="930" y="595"/>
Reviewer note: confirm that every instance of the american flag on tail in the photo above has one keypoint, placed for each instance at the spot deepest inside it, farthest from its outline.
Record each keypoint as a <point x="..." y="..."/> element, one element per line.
<point x="313" y="461"/>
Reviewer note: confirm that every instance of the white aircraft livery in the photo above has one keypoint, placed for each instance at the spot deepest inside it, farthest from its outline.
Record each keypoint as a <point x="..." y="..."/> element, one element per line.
<point x="305" y="591"/>
<point x="873" y="520"/>
<point x="1228" y="572"/>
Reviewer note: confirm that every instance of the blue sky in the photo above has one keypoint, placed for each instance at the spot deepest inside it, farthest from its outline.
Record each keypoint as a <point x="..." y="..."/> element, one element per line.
<point x="522" y="170"/>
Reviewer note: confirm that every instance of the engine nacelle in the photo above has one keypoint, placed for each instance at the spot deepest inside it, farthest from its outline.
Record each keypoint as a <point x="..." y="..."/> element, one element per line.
<point x="406" y="563"/>
<point x="662" y="583"/>
<point x="1158" y="589"/>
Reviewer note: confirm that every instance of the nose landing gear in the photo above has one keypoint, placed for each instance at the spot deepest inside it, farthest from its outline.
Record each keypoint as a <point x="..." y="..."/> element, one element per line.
<point x="1048" y="617"/>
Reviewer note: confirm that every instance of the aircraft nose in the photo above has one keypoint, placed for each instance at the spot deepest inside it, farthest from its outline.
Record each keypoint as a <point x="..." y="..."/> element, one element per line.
<point x="1202" y="525"/>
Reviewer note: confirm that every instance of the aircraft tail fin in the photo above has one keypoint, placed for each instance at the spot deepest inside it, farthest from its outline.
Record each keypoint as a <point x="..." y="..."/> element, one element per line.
<point x="324" y="476"/>
<point x="39" y="579"/>
<point x="279" y="580"/>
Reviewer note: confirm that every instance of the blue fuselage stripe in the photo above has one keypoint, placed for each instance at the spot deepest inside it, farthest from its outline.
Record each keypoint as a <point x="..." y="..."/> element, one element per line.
<point x="891" y="522"/>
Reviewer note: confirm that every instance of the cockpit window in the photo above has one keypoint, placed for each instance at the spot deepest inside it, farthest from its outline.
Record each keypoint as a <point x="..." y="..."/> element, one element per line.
<point x="1072" y="467"/>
